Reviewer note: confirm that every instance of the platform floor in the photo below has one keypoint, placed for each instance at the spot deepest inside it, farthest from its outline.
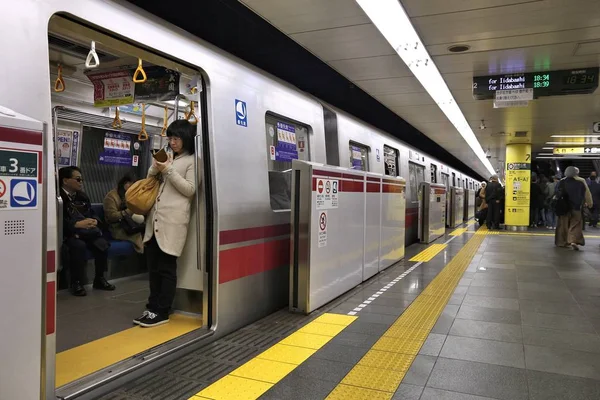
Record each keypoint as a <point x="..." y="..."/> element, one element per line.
<point x="476" y="315"/>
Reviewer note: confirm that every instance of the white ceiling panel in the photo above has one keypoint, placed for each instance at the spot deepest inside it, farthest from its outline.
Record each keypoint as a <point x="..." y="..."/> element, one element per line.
<point x="391" y="86"/>
<point x="308" y="15"/>
<point x="358" y="69"/>
<point x="419" y="8"/>
<point x="401" y="100"/>
<point x="344" y="43"/>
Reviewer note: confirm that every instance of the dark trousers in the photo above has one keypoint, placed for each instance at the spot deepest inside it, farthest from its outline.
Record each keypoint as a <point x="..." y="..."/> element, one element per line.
<point x="162" y="269"/>
<point x="77" y="253"/>
<point x="493" y="216"/>
<point x="594" y="211"/>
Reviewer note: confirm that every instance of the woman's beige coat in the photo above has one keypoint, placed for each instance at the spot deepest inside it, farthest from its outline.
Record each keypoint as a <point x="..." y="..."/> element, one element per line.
<point x="169" y="218"/>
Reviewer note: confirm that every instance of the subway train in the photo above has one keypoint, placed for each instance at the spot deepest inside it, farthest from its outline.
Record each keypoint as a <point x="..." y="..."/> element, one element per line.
<point x="69" y="66"/>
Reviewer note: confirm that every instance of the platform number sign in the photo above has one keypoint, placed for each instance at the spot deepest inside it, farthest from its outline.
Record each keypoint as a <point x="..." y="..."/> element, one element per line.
<point x="18" y="179"/>
<point x="241" y="113"/>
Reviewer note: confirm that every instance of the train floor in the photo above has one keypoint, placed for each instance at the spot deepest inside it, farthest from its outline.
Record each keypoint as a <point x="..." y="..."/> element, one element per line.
<point x="96" y="331"/>
<point x="475" y="315"/>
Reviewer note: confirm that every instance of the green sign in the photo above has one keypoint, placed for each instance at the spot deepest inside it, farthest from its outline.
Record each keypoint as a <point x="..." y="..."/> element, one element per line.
<point x="20" y="164"/>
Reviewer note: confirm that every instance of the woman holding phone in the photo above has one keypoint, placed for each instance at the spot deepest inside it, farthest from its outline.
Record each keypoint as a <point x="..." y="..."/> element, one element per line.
<point x="167" y="223"/>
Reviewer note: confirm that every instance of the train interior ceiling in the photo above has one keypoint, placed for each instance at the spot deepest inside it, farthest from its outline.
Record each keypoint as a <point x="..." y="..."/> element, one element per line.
<point x="108" y="144"/>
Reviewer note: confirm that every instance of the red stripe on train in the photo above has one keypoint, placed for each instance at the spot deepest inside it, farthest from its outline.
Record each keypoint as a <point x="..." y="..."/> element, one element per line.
<point x="247" y="234"/>
<point x="50" y="307"/>
<point x="22" y="136"/>
<point x="250" y="260"/>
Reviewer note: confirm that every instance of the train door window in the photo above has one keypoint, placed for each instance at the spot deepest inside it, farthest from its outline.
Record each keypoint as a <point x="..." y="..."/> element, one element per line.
<point x="433" y="173"/>
<point x="390" y="160"/>
<point x="416" y="175"/>
<point x="446" y="181"/>
<point x="453" y="179"/>
<point x="286" y="141"/>
<point x="359" y="156"/>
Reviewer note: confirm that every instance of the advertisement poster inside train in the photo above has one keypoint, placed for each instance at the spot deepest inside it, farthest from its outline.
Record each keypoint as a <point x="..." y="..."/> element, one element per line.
<point x="356" y="159"/>
<point x="162" y="84"/>
<point x="64" y="147"/>
<point x="112" y="88"/>
<point x="117" y="149"/>
<point x="286" y="149"/>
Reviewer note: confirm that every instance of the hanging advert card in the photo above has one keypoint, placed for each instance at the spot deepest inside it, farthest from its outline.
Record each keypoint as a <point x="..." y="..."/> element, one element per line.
<point x="162" y="85"/>
<point x="117" y="149"/>
<point x="112" y="88"/>
<point x="286" y="149"/>
<point x="356" y="158"/>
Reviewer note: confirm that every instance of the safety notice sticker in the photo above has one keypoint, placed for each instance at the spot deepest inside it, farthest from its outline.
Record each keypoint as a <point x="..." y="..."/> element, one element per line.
<point x="323" y="229"/>
<point x="18" y="180"/>
<point x="327" y="194"/>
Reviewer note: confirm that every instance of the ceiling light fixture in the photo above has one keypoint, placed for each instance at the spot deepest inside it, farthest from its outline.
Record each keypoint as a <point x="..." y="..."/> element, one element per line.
<point x="575" y="136"/>
<point x="547" y="148"/>
<point x="395" y="25"/>
<point x="569" y="143"/>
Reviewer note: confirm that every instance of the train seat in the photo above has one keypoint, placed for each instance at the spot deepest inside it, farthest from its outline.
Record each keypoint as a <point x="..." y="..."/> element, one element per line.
<point x="117" y="247"/>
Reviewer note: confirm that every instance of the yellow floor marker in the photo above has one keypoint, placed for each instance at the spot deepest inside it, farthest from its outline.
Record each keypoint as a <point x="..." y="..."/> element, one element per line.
<point x="255" y="377"/>
<point x="83" y="360"/>
<point x="379" y="373"/>
<point x="429" y="253"/>
<point x="458" y="232"/>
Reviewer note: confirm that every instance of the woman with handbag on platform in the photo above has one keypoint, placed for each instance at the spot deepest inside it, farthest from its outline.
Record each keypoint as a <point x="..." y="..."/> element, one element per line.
<point x="81" y="233"/>
<point x="168" y="220"/>
<point x="124" y="224"/>
<point x="572" y="194"/>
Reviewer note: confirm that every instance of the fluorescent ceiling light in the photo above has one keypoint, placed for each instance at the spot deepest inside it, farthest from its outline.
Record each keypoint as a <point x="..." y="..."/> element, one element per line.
<point x="547" y="148"/>
<point x="545" y="154"/>
<point x="395" y="25"/>
<point x="575" y="136"/>
<point x="570" y="143"/>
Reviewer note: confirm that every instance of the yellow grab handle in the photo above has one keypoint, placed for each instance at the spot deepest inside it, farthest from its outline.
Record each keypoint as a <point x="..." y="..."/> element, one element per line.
<point x="59" y="85"/>
<point x="143" y="135"/>
<point x="117" y="121"/>
<point x="190" y="116"/>
<point x="139" y="71"/>
<point x="163" y="132"/>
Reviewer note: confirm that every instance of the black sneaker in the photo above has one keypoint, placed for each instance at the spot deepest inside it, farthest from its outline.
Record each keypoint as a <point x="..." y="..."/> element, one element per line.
<point x="77" y="289"/>
<point x="153" y="319"/>
<point x="141" y="317"/>
<point x="102" y="284"/>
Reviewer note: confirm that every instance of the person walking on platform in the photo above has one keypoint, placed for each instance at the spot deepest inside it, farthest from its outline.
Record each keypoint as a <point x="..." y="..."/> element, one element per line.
<point x="482" y="206"/>
<point x="493" y="198"/>
<point x="594" y="187"/>
<point x="572" y="195"/>
<point x="536" y="199"/>
<point x="168" y="221"/>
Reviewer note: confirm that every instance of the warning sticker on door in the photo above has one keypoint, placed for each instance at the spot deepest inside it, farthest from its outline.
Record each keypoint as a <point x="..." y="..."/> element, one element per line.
<point x="327" y="194"/>
<point x="323" y="229"/>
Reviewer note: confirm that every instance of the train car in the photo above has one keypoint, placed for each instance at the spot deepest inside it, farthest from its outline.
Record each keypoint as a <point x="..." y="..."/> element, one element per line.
<point x="69" y="66"/>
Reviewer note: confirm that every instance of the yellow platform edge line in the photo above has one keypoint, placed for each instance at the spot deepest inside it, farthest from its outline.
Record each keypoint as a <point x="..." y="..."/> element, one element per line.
<point x="88" y="358"/>
<point x="429" y="253"/>
<point x="252" y="379"/>
<point x="406" y="336"/>
<point x="458" y="232"/>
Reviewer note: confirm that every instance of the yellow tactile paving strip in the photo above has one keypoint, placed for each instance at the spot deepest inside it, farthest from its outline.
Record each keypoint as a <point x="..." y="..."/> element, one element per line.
<point x="83" y="360"/>
<point x="458" y="232"/>
<point x="379" y="373"/>
<point x="254" y="378"/>
<point x="429" y="253"/>
<point x="484" y="231"/>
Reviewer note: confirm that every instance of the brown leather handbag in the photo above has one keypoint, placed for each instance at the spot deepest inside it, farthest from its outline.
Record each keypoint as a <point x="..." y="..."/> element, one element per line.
<point x="141" y="196"/>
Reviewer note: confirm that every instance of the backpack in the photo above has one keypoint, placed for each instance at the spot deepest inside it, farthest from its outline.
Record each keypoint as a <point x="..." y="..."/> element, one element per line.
<point x="560" y="201"/>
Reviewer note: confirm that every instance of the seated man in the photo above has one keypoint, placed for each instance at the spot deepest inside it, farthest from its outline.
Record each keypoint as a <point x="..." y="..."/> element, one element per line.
<point x="81" y="232"/>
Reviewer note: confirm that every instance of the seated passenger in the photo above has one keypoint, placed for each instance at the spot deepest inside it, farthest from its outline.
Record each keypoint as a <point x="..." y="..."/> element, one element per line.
<point x="81" y="233"/>
<point x="122" y="222"/>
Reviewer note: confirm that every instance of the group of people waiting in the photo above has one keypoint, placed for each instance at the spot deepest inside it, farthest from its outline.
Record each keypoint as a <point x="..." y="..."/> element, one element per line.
<point x="163" y="236"/>
<point x="490" y="202"/>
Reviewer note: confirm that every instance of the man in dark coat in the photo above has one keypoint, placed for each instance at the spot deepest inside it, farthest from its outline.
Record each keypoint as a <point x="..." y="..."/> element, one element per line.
<point x="493" y="197"/>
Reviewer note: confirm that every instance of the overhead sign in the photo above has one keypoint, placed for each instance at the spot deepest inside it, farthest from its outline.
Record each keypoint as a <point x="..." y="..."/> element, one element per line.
<point x="596" y="127"/>
<point x="547" y="83"/>
<point x="19" y="175"/>
<point x="514" y="95"/>
<point x="568" y="150"/>
<point x="511" y="104"/>
<point x="327" y="194"/>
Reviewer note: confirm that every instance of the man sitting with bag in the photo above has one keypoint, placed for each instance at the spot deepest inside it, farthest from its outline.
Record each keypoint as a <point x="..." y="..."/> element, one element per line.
<point x="81" y="233"/>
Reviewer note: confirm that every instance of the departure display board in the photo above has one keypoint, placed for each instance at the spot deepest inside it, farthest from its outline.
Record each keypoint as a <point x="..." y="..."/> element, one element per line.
<point x="548" y="83"/>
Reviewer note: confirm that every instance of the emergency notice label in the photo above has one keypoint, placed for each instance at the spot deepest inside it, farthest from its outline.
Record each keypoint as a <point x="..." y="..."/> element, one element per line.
<point x="322" y="229"/>
<point x="327" y="194"/>
<point x="18" y="179"/>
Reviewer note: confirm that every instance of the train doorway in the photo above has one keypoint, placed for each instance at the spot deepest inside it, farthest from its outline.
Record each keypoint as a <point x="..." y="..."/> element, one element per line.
<point x="112" y="103"/>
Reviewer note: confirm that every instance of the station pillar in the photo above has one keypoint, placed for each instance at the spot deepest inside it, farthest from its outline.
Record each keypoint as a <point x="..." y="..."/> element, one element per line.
<point x="518" y="184"/>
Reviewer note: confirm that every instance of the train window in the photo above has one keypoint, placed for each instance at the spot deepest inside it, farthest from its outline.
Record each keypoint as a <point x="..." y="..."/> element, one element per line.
<point x="446" y="181"/>
<point x="286" y="141"/>
<point x="416" y="175"/>
<point x="359" y="156"/>
<point x="390" y="160"/>
<point x="453" y="179"/>
<point x="433" y="173"/>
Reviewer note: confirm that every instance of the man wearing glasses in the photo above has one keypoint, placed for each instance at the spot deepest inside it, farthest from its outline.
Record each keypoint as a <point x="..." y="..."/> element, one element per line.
<point x="81" y="233"/>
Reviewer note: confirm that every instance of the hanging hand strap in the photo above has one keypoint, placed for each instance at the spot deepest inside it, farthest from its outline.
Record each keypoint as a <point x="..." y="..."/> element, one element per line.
<point x="163" y="132"/>
<point x="143" y="135"/>
<point x="59" y="85"/>
<point x="92" y="56"/>
<point x="139" y="71"/>
<point x="190" y="116"/>
<point x="117" y="123"/>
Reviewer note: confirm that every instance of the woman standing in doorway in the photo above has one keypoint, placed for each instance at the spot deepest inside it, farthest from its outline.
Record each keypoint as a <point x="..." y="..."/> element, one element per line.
<point x="167" y="223"/>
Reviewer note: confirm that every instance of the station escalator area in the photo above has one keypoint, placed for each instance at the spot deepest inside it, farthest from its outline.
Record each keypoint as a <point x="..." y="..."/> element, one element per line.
<point x="112" y="103"/>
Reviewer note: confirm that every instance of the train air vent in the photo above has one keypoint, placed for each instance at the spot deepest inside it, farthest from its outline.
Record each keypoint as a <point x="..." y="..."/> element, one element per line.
<point x="14" y="227"/>
<point x="75" y="49"/>
<point x="521" y="134"/>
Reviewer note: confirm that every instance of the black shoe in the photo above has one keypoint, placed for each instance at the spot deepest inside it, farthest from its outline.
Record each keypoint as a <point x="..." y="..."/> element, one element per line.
<point x="141" y="317"/>
<point x="77" y="289"/>
<point x="102" y="284"/>
<point x="153" y="319"/>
